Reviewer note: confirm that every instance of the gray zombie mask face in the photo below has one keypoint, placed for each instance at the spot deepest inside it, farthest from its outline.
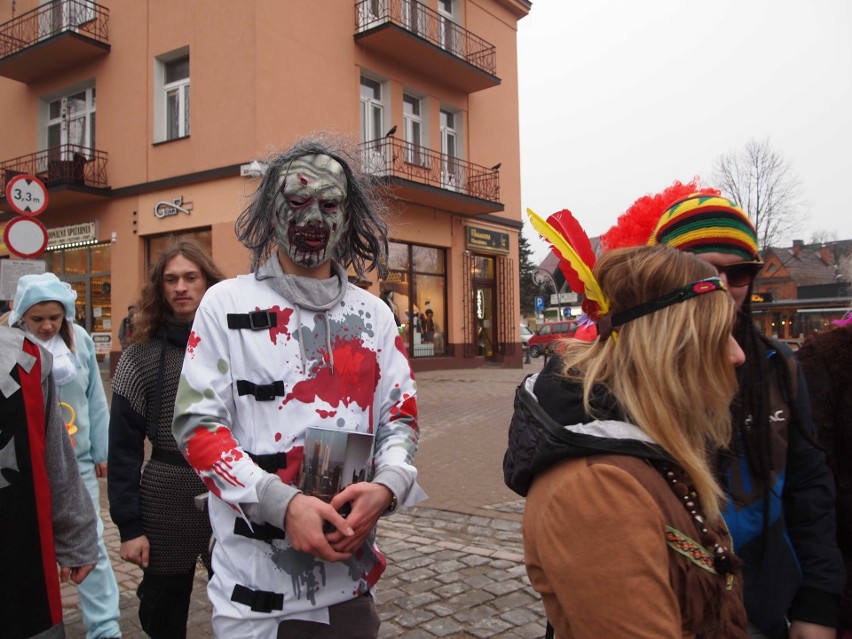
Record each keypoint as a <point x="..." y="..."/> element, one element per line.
<point x="310" y="209"/>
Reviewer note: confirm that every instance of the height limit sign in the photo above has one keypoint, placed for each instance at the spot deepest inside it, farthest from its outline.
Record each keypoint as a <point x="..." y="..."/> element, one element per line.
<point x="24" y="235"/>
<point x="26" y="195"/>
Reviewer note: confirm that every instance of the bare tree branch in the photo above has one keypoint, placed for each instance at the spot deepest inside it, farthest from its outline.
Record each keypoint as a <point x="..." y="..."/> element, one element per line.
<point x="761" y="181"/>
<point x="824" y="236"/>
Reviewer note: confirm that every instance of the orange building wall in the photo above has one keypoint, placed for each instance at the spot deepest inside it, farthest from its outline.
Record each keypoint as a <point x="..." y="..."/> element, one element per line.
<point x="261" y="75"/>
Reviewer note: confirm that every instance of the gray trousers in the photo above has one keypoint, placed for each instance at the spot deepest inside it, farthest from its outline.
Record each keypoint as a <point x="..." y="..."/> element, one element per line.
<point x="353" y="619"/>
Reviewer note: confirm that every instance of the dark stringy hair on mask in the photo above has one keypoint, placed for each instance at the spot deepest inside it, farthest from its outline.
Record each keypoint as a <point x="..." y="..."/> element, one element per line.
<point x="364" y="246"/>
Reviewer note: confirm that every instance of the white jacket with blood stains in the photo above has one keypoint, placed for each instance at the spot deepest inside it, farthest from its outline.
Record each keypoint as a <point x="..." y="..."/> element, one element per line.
<point x="268" y="357"/>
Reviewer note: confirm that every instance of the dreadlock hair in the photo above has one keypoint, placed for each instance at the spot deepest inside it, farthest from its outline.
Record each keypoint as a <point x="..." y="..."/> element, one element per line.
<point x="750" y="410"/>
<point x="152" y="307"/>
<point x="365" y="241"/>
<point x="670" y="370"/>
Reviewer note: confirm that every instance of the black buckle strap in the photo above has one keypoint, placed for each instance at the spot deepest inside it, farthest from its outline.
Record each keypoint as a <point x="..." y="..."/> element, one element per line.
<point x="270" y="462"/>
<point x="261" y="392"/>
<point x="258" y="600"/>
<point x="256" y="320"/>
<point x="171" y="457"/>
<point x="261" y="532"/>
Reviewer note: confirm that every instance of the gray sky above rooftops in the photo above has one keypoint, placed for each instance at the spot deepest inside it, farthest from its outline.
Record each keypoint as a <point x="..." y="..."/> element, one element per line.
<point x="618" y="98"/>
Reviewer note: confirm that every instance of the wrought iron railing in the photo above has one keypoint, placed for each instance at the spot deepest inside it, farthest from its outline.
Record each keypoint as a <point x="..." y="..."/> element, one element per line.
<point x="79" y="16"/>
<point x="389" y="157"/>
<point x="65" y="164"/>
<point x="431" y="26"/>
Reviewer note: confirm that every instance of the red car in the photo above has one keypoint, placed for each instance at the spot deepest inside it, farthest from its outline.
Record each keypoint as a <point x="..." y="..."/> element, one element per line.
<point x="547" y="334"/>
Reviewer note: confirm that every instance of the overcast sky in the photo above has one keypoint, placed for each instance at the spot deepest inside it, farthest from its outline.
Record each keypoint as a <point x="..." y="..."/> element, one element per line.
<point x="618" y="98"/>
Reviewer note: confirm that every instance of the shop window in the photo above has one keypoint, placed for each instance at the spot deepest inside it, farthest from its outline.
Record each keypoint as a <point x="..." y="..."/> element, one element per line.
<point x="100" y="258"/>
<point x="416" y="291"/>
<point x="87" y="270"/>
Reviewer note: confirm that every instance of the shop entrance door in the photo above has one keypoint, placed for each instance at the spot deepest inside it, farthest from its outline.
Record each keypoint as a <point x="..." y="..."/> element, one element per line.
<point x="485" y="321"/>
<point x="484" y="307"/>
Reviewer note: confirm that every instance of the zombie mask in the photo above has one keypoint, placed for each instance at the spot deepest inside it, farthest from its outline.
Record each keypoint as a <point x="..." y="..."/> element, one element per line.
<point x="310" y="209"/>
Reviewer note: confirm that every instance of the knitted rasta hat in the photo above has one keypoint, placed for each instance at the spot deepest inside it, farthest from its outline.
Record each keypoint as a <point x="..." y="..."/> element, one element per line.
<point x="635" y="225"/>
<point x="702" y="223"/>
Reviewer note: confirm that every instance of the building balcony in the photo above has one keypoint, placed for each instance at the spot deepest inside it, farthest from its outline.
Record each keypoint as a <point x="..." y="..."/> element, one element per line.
<point x="422" y="176"/>
<point x="54" y="37"/>
<point x="411" y="33"/>
<point x="72" y="174"/>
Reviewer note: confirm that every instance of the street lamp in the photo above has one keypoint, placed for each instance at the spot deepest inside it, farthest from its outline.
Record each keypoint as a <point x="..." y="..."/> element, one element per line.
<point x="543" y="276"/>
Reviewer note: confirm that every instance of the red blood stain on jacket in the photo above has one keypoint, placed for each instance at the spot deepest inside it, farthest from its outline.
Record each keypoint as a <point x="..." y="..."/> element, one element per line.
<point x="194" y="341"/>
<point x="213" y="452"/>
<point x="354" y="379"/>
<point x="282" y="319"/>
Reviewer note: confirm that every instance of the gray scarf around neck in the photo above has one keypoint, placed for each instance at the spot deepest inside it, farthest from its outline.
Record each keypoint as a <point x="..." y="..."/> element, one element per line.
<point x="308" y="293"/>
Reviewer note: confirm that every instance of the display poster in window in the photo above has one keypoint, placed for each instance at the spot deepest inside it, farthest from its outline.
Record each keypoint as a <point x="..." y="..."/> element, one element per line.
<point x="103" y="343"/>
<point x="12" y="270"/>
<point x="334" y="459"/>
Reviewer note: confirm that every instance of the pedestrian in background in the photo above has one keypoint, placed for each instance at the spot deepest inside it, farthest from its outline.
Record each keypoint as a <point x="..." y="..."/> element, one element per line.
<point x="161" y="529"/>
<point x="623" y="535"/>
<point x="125" y="329"/>
<point x="293" y="344"/>
<point x="826" y="360"/>
<point x="48" y="516"/>
<point x="44" y="308"/>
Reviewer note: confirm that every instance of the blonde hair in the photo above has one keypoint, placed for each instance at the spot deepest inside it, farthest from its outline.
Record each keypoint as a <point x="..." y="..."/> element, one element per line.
<point x="669" y="371"/>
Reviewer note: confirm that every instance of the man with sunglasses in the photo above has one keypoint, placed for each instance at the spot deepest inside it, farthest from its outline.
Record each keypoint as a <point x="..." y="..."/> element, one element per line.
<point x="781" y="507"/>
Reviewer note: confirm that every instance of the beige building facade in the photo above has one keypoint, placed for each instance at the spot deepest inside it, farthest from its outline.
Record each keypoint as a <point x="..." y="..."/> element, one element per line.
<point x="147" y="119"/>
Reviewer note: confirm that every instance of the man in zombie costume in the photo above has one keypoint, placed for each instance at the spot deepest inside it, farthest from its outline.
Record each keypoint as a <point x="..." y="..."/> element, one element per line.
<point x="48" y="516"/>
<point x="293" y="345"/>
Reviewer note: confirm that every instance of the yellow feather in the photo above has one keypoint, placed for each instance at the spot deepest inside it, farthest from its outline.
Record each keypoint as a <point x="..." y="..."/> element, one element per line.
<point x="590" y="284"/>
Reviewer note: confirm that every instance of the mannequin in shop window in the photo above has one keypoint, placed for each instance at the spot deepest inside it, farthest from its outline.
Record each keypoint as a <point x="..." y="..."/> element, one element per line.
<point x="388" y="299"/>
<point x="428" y="326"/>
<point x="431" y="331"/>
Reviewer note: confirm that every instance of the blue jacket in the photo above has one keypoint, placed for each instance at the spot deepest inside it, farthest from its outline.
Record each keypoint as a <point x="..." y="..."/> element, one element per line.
<point x="85" y="395"/>
<point x="794" y="570"/>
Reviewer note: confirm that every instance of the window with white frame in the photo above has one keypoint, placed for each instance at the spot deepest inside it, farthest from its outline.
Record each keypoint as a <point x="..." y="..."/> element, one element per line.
<point x="447" y="30"/>
<point x="452" y="171"/>
<point x="411" y="118"/>
<point x="372" y="127"/>
<point x="371" y="13"/>
<point x="63" y="16"/>
<point x="71" y="120"/>
<point x="411" y="16"/>
<point x="171" y="112"/>
<point x="372" y="110"/>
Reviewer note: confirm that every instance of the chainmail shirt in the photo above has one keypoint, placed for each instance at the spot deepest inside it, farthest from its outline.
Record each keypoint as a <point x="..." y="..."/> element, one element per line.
<point x="144" y="390"/>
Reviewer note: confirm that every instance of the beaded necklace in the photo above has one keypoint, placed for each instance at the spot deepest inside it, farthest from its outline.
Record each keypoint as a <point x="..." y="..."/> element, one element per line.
<point x="724" y="561"/>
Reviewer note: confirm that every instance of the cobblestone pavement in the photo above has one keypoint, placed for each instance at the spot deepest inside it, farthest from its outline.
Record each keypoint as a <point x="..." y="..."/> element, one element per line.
<point x="454" y="571"/>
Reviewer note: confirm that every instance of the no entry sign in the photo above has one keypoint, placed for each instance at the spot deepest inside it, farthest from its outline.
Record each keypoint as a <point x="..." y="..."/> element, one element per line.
<point x="25" y="237"/>
<point x="27" y="195"/>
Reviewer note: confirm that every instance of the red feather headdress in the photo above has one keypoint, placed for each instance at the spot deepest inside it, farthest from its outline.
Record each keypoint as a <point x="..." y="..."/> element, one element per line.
<point x="571" y="245"/>
<point x="636" y="224"/>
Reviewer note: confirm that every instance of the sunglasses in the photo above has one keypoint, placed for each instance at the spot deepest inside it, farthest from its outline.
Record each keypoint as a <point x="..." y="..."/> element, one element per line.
<point x="740" y="273"/>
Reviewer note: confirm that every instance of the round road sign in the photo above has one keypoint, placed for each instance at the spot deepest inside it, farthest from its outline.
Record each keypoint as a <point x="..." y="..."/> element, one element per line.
<point x="25" y="237"/>
<point x="27" y="195"/>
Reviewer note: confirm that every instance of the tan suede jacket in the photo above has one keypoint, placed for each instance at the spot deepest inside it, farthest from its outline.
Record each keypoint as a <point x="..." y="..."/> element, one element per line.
<point x="614" y="553"/>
